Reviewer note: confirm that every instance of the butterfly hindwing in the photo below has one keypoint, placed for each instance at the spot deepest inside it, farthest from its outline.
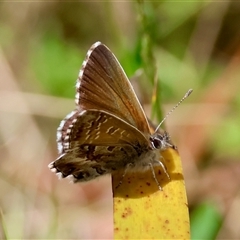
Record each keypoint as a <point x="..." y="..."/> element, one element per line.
<point x="98" y="143"/>
<point x="63" y="131"/>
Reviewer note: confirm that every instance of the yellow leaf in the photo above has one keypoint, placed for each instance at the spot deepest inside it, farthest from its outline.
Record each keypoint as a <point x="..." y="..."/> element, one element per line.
<point x="142" y="211"/>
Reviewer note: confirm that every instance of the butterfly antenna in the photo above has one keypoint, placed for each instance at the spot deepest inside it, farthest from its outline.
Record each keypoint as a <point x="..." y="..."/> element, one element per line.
<point x="187" y="94"/>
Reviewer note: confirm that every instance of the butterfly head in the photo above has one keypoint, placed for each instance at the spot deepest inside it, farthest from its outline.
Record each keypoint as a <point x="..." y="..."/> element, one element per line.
<point x="161" y="141"/>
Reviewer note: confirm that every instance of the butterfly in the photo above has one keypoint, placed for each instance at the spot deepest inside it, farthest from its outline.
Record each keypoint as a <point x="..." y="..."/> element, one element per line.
<point x="108" y="131"/>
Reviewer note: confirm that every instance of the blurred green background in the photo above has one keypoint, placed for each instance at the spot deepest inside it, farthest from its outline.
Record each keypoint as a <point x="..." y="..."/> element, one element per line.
<point x="188" y="44"/>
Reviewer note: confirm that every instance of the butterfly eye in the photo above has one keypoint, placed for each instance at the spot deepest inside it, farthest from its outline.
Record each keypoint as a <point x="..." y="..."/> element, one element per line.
<point x="157" y="141"/>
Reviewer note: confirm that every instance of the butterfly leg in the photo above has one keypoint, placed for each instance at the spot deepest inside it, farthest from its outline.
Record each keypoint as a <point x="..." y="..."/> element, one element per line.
<point x="154" y="176"/>
<point x="164" y="168"/>
<point x="124" y="174"/>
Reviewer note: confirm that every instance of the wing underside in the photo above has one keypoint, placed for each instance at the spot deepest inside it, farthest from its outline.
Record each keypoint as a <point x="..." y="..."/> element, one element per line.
<point x="97" y="143"/>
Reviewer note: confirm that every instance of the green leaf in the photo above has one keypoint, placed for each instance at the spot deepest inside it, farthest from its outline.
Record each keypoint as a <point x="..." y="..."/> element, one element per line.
<point x="205" y="222"/>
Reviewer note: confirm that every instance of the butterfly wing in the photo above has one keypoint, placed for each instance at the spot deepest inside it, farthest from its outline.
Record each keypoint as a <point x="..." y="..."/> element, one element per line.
<point x="103" y="85"/>
<point x="97" y="143"/>
<point x="63" y="131"/>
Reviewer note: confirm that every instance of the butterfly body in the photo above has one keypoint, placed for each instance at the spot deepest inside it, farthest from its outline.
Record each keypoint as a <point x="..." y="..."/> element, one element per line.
<point x="108" y="131"/>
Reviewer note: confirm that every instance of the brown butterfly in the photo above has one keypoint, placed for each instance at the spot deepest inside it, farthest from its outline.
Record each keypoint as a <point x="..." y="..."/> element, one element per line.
<point x="108" y="131"/>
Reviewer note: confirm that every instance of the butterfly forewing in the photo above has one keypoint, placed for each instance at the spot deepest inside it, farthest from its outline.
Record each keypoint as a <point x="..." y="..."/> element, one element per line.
<point x="103" y="85"/>
<point x="99" y="143"/>
<point x="99" y="127"/>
